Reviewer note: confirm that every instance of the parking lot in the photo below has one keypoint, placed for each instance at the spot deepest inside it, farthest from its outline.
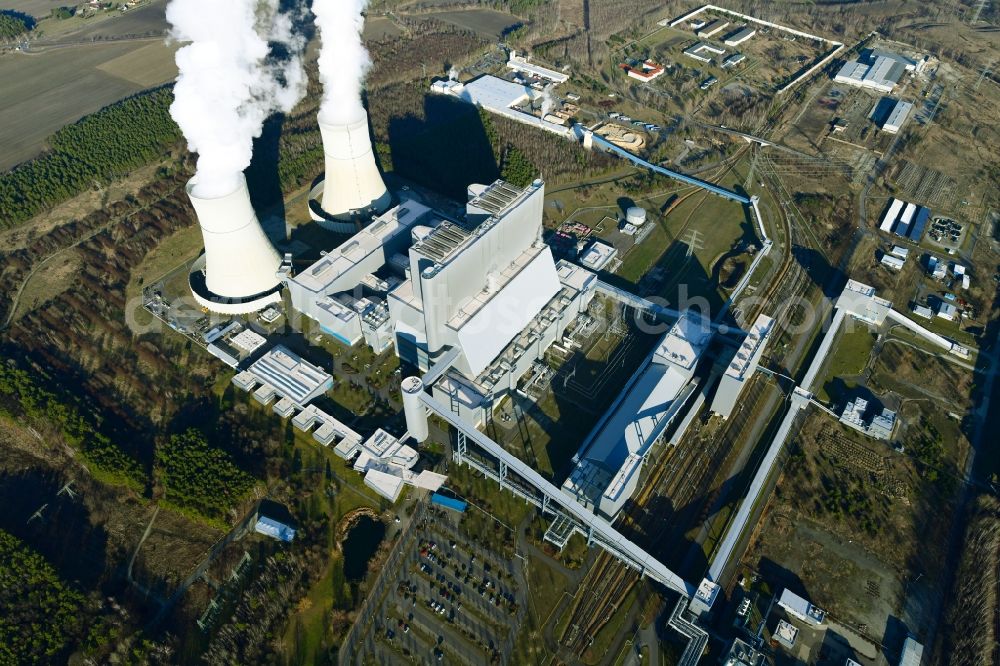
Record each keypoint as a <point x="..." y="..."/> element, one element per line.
<point x="450" y="601"/>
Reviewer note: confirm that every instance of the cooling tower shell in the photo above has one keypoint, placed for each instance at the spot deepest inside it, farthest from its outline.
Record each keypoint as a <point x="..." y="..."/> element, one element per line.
<point x="352" y="185"/>
<point x="238" y="272"/>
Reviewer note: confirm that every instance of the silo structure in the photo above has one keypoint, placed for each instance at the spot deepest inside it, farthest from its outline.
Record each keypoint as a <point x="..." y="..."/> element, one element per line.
<point x="351" y="186"/>
<point x="413" y="408"/>
<point x="238" y="271"/>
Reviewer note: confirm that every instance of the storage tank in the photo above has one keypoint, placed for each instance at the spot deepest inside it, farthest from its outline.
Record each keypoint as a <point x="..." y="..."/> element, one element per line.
<point x="238" y="272"/>
<point x="635" y="216"/>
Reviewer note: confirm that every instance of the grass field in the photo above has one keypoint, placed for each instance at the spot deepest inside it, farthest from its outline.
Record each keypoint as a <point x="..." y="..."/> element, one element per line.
<point x="45" y="91"/>
<point x="850" y="355"/>
<point x="484" y="21"/>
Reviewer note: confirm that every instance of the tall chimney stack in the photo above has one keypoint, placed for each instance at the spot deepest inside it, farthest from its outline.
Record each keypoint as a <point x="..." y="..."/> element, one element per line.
<point x="238" y="272"/>
<point x="352" y="184"/>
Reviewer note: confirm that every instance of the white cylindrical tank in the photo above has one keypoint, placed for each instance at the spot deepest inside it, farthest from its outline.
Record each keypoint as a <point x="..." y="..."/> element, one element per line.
<point x="636" y="215"/>
<point x="240" y="261"/>
<point x="413" y="408"/>
<point x="352" y="180"/>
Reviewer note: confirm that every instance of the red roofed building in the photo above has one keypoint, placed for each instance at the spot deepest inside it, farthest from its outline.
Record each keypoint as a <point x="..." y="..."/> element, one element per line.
<point x="645" y="72"/>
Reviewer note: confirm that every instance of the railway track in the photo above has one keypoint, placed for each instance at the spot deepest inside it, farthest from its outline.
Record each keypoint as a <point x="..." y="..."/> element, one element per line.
<point x="680" y="474"/>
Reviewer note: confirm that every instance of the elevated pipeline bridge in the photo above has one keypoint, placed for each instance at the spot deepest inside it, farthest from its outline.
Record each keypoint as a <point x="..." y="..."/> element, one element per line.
<point x="477" y="450"/>
<point x="603" y="144"/>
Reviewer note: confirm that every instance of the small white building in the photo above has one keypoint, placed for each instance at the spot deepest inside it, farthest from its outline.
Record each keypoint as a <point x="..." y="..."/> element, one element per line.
<point x="893" y="262"/>
<point x="923" y="311"/>
<point x="786" y="633"/>
<point x="598" y="255"/>
<point x="800" y="608"/>
<point x="913" y="653"/>
<point x="900" y="251"/>
<point x="947" y="311"/>
<point x="704" y="598"/>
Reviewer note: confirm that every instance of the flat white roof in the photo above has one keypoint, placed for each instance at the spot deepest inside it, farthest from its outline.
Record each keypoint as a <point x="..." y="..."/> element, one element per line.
<point x="573" y="276"/>
<point x="913" y="652"/>
<point x="684" y="342"/>
<point x="518" y="63"/>
<point x="247" y="340"/>
<point x="495" y="93"/>
<point x="386" y="485"/>
<point x="898" y="115"/>
<point x="290" y="376"/>
<point x="597" y="255"/>
<point x="756" y="337"/>
<point x="339" y="260"/>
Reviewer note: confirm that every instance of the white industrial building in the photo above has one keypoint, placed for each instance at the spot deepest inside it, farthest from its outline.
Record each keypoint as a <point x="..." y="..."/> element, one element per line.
<point x="598" y="255"/>
<point x="340" y="290"/>
<point x="880" y="426"/>
<point x="912" y="654"/>
<point x="801" y="609"/>
<point x="485" y="290"/>
<point x="501" y="97"/>
<point x="281" y="373"/>
<point x="610" y="460"/>
<point x="859" y="301"/>
<point x="521" y="64"/>
<point x="741" y="368"/>
<point x="900" y="112"/>
<point x="876" y="70"/>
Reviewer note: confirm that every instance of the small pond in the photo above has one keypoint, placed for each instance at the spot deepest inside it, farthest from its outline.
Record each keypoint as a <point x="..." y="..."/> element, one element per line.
<point x="360" y="544"/>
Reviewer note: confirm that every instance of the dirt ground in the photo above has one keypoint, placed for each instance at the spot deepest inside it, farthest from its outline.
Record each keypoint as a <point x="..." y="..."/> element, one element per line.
<point x="851" y="524"/>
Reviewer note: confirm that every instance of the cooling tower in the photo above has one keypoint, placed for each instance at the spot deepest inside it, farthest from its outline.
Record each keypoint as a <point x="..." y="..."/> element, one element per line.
<point x="238" y="272"/>
<point x="352" y="184"/>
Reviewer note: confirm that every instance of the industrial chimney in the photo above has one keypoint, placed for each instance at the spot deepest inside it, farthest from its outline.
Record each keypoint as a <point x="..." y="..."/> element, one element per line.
<point x="238" y="272"/>
<point x="352" y="186"/>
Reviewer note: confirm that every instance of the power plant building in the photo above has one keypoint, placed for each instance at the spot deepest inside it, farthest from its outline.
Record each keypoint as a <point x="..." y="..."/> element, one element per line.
<point x="610" y="460"/>
<point x="742" y="367"/>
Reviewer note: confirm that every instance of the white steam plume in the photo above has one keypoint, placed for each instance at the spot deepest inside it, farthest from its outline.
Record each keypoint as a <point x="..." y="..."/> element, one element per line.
<point x="343" y="59"/>
<point x="547" y="100"/>
<point x="453" y="73"/>
<point x="226" y="83"/>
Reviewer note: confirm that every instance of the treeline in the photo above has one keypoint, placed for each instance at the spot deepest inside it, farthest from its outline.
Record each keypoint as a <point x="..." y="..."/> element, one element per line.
<point x="104" y="145"/>
<point x="970" y="633"/>
<point x="40" y="613"/>
<point x="28" y="397"/>
<point x="13" y="24"/>
<point x="200" y="479"/>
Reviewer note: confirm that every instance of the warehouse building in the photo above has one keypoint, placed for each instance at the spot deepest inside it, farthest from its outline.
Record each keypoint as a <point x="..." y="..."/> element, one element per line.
<point x="713" y="28"/>
<point x="876" y="70"/>
<point x="897" y="117"/>
<point x="739" y="36"/>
